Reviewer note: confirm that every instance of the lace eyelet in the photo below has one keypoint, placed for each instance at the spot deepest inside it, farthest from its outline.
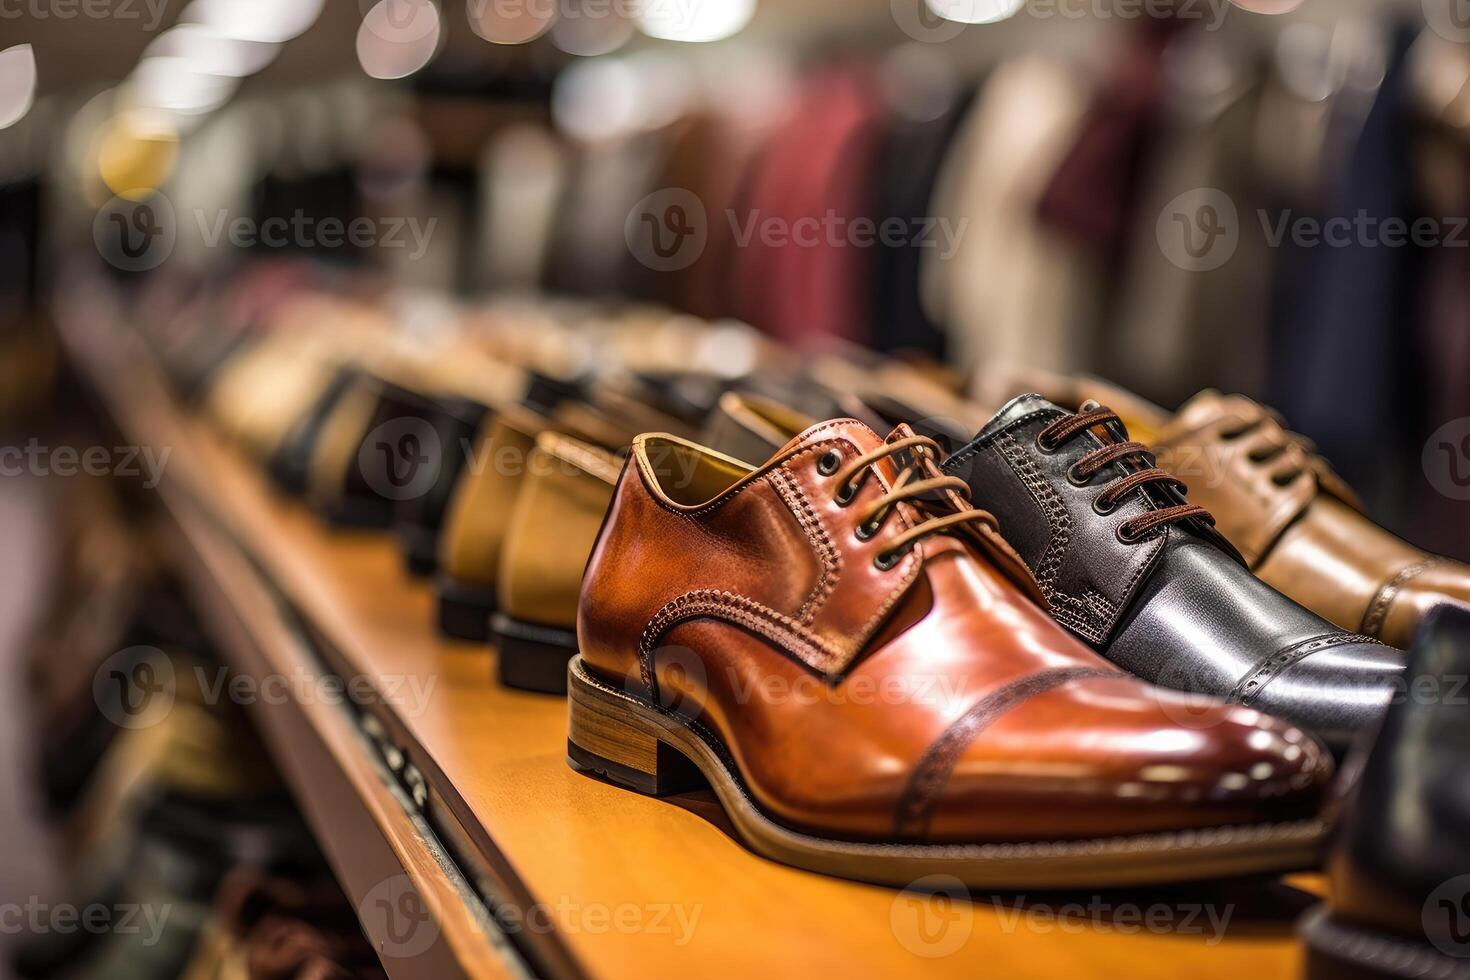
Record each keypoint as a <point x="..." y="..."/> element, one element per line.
<point x="829" y="462"/>
<point x="865" y="532"/>
<point x="1125" y="537"/>
<point x="845" y="494"/>
<point x="1044" y="447"/>
<point x="884" y="562"/>
<point x="1103" y="509"/>
<point x="1075" y="478"/>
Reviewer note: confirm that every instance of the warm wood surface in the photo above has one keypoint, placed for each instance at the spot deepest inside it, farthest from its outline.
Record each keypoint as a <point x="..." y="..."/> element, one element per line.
<point x="643" y="887"/>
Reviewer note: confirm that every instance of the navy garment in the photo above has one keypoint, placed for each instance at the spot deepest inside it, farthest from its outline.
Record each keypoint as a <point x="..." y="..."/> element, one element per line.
<point x="909" y="162"/>
<point x="1344" y="350"/>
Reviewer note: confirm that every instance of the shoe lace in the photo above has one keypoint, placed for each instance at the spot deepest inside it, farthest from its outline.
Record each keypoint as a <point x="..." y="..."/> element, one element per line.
<point x="919" y="484"/>
<point x="1131" y="453"/>
<point x="1288" y="453"/>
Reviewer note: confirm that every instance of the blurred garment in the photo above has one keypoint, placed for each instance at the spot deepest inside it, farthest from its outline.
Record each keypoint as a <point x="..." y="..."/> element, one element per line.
<point x="1443" y="349"/>
<point x="1012" y="291"/>
<point x="709" y="154"/>
<point x="909" y="165"/>
<point x="523" y="178"/>
<point x="589" y="254"/>
<point x="1345" y="366"/>
<point x="1094" y="191"/>
<point x="798" y="271"/>
<point x="1178" y="326"/>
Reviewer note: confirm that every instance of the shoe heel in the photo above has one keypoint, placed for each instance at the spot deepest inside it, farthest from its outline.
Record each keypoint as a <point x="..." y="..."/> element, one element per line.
<point x="464" y="612"/>
<point x="531" y="657"/>
<point x="614" y="742"/>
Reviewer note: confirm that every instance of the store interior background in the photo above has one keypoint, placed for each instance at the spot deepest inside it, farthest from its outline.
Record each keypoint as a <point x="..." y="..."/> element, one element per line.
<point x="527" y="129"/>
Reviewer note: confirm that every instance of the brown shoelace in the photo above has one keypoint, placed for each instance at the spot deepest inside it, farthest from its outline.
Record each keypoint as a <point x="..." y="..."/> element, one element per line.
<point x="1135" y="453"/>
<point x="1288" y="454"/>
<point x="925" y="452"/>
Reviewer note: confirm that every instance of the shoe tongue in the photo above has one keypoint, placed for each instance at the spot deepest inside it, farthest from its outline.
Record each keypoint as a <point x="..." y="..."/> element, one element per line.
<point x="1018" y="407"/>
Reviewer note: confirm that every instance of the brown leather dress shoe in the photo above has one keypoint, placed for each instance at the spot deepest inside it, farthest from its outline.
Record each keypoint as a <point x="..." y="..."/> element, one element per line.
<point x="1301" y="528"/>
<point x="858" y="665"/>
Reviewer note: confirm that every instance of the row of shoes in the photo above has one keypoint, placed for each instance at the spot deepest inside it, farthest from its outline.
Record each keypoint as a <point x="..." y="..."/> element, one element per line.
<point x="178" y="851"/>
<point x="1072" y="640"/>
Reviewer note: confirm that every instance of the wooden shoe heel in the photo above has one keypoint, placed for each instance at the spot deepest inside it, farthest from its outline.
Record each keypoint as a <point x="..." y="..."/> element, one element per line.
<point x="621" y="746"/>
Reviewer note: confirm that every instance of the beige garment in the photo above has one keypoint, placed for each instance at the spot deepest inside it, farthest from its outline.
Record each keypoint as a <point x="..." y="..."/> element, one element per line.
<point x="1013" y="291"/>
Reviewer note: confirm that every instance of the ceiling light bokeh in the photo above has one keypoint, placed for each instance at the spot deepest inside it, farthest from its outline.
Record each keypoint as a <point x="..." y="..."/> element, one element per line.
<point x="17" y="83"/>
<point x="398" y="37"/>
<point x="975" y="11"/>
<point x="510" y="21"/>
<point x="693" y="20"/>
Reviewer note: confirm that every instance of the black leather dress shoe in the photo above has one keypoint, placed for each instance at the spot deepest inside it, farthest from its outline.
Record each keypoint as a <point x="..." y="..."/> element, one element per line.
<point x="1128" y="564"/>
<point x="1399" y="896"/>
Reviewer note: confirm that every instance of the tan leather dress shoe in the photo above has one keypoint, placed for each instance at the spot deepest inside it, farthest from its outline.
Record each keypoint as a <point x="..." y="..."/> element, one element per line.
<point x="482" y="506"/>
<point x="555" y="520"/>
<point x="858" y="665"/>
<point x="1301" y="528"/>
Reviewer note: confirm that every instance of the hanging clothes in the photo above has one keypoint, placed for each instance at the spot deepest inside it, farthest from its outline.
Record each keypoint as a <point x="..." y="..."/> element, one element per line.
<point x="1011" y="291"/>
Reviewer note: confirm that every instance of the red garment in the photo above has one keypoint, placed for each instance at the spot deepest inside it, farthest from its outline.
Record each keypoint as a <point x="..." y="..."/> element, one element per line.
<point x="799" y="275"/>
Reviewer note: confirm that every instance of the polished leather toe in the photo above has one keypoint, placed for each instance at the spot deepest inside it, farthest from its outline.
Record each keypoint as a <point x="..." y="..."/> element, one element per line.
<point x="1170" y="762"/>
<point x="1336" y="693"/>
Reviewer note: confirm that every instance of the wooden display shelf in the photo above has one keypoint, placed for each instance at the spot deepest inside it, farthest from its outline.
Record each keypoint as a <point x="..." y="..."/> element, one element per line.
<point x="526" y="864"/>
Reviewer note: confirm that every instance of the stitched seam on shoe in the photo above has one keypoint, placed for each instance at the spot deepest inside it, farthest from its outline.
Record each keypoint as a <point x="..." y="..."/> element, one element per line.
<point x="1058" y="521"/>
<point x="1377" y="610"/>
<point x="784" y="631"/>
<point x="828" y="556"/>
<point x="1090" y="613"/>
<point x="931" y="774"/>
<point x="1249" y="687"/>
